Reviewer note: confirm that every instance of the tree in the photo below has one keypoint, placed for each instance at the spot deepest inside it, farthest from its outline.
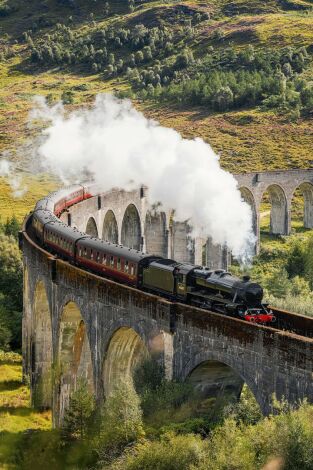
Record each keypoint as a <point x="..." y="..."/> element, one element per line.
<point x="77" y="418"/>
<point x="147" y="54"/>
<point x="11" y="272"/>
<point x="296" y="261"/>
<point x="121" y="421"/>
<point x="307" y="97"/>
<point x="224" y="98"/>
<point x="12" y="227"/>
<point x="139" y="57"/>
<point x="5" y="333"/>
<point x="184" y="59"/>
<point x="111" y="59"/>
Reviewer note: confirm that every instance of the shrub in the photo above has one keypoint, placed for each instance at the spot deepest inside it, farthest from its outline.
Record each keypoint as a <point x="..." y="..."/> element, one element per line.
<point x="170" y="453"/>
<point x="120" y="422"/>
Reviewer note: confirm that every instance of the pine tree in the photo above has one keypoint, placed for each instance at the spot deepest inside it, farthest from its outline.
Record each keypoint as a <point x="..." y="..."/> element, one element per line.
<point x="78" y="414"/>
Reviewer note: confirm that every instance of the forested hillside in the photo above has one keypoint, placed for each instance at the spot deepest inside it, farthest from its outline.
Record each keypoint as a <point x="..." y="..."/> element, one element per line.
<point x="237" y="73"/>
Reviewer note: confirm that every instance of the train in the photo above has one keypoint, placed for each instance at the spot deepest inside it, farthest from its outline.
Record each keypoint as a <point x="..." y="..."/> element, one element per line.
<point x="214" y="290"/>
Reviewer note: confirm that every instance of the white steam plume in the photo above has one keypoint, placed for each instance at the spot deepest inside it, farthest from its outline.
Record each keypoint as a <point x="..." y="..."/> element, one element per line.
<point x="8" y="171"/>
<point x="120" y="147"/>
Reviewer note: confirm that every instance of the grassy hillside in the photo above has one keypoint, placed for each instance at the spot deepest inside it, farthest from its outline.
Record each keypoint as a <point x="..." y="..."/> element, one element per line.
<point x="151" y="51"/>
<point x="248" y="137"/>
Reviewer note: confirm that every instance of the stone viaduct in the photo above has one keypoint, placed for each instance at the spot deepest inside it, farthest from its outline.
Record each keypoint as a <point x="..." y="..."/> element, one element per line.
<point x="126" y="217"/>
<point x="281" y="188"/>
<point x="77" y="325"/>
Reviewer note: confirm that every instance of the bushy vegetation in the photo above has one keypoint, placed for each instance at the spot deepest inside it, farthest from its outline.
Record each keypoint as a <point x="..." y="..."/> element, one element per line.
<point x="225" y="80"/>
<point x="284" y="268"/>
<point x="158" y="65"/>
<point x="11" y="284"/>
<point x="117" y="438"/>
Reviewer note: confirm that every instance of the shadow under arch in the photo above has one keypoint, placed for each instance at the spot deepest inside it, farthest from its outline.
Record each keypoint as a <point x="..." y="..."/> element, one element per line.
<point x="41" y="350"/>
<point x="218" y="382"/>
<point x="155" y="233"/>
<point x="275" y="197"/>
<point x="248" y="197"/>
<point x="91" y="228"/>
<point x="74" y="356"/>
<point x="125" y="352"/>
<point x="302" y="206"/>
<point x="131" y="228"/>
<point x="110" y="228"/>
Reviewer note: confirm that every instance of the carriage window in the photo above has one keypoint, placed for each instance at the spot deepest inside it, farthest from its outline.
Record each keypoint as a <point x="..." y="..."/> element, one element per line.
<point x="126" y="267"/>
<point x="104" y="259"/>
<point x="98" y="256"/>
<point x="85" y="252"/>
<point x="112" y="261"/>
<point x="132" y="270"/>
<point x="118" y="263"/>
<point x="91" y="254"/>
<point x="80" y="251"/>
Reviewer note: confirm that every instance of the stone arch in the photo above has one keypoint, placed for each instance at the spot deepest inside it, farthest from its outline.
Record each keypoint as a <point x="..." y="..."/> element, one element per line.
<point x="74" y="356"/>
<point x="306" y="191"/>
<point x="155" y="233"/>
<point x="41" y="349"/>
<point x="110" y="228"/>
<point x="278" y="211"/>
<point x="126" y="350"/>
<point x="131" y="228"/>
<point x="220" y="380"/>
<point x="91" y="227"/>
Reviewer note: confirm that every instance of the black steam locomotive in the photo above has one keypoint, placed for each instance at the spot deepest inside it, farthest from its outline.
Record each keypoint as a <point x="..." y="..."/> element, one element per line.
<point x="217" y="290"/>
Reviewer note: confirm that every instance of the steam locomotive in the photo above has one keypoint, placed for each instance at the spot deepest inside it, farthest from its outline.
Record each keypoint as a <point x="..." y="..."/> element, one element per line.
<point x="216" y="290"/>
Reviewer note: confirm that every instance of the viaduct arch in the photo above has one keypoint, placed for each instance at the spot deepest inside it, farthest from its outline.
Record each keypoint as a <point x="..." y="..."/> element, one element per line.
<point x="89" y="328"/>
<point x="127" y="217"/>
<point x="74" y="365"/>
<point x="281" y="187"/>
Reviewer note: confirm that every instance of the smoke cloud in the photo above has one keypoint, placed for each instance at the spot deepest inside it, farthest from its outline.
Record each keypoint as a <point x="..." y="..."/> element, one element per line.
<point x="8" y="171"/>
<point x="119" y="147"/>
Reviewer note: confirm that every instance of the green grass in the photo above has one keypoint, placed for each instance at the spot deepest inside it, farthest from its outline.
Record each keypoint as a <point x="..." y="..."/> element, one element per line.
<point x="17" y="418"/>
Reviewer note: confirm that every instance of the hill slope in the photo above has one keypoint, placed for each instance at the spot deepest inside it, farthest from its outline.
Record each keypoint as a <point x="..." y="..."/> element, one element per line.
<point x="237" y="73"/>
